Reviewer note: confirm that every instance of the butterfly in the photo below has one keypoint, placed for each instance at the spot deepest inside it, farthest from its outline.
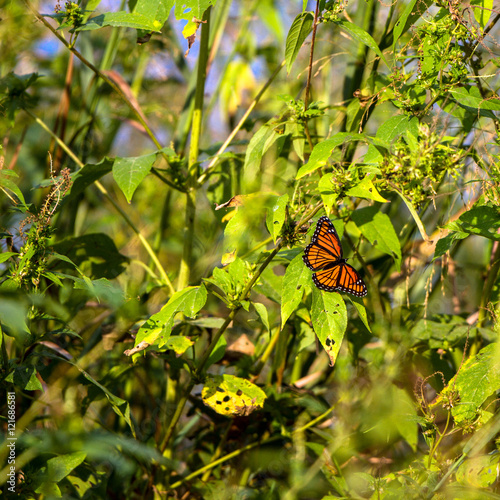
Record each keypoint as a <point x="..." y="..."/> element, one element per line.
<point x="324" y="256"/>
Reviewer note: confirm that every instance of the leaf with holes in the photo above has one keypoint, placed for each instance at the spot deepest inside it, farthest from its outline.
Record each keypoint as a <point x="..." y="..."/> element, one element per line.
<point x="329" y="319"/>
<point x="229" y="395"/>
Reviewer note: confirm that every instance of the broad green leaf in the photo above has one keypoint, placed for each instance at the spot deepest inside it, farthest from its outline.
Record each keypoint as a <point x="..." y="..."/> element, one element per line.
<point x="296" y="132"/>
<point x="404" y="416"/>
<point x="96" y="253"/>
<point x="88" y="175"/>
<point x="366" y="189"/>
<point x="444" y="244"/>
<point x="296" y="276"/>
<point x="187" y="9"/>
<point x="179" y="344"/>
<point x="483" y="221"/>
<point x="102" y="289"/>
<point x="470" y="98"/>
<point x="328" y="196"/>
<point x="261" y="310"/>
<point x="329" y="319"/>
<point x="414" y="9"/>
<point x="377" y="228"/>
<point x="480" y="471"/>
<point x="388" y="132"/>
<point x="218" y="352"/>
<point x="25" y="377"/>
<point x="299" y="31"/>
<point x="13" y="319"/>
<point x="59" y="467"/>
<point x="6" y="183"/>
<point x="397" y="125"/>
<point x="482" y="12"/>
<point x="120" y="406"/>
<point x="415" y="216"/>
<point x="323" y="150"/>
<point x="121" y="20"/>
<point x="476" y="381"/>
<point x="360" y="307"/>
<point x="362" y="36"/>
<point x="157" y="329"/>
<point x="154" y="9"/>
<point x="277" y="216"/>
<point x="229" y="395"/>
<point x="6" y="256"/>
<point x="129" y="172"/>
<point x="441" y="332"/>
<point x="255" y="152"/>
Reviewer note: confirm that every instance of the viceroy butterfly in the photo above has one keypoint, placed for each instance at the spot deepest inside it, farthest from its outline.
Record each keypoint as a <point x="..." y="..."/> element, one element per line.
<point x="324" y="256"/>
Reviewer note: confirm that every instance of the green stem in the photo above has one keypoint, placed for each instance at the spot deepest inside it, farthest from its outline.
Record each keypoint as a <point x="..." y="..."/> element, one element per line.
<point x="185" y="266"/>
<point x="232" y="135"/>
<point x="250" y="447"/>
<point x="211" y="347"/>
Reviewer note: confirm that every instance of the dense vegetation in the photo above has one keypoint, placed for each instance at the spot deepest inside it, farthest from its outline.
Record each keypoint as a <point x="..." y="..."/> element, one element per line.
<point x="163" y="168"/>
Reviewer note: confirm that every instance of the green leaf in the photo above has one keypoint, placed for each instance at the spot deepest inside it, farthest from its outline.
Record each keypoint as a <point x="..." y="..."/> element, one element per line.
<point x="360" y="307"/>
<point x="157" y="329"/>
<point x="444" y="244"/>
<point x="479" y="471"/>
<point x="59" y="467"/>
<point x="362" y="36"/>
<point x="323" y="150"/>
<point x="482" y="12"/>
<point x="260" y="142"/>
<point x="7" y="183"/>
<point x="120" y="406"/>
<point x="121" y="19"/>
<point x="329" y="319"/>
<point x="218" y="352"/>
<point x="477" y="380"/>
<point x="96" y="253"/>
<point x="87" y="176"/>
<point x="24" y="376"/>
<point x="483" y="221"/>
<point x="470" y="98"/>
<point x="6" y="256"/>
<point x="229" y="395"/>
<point x="404" y="416"/>
<point x="299" y="31"/>
<point x="414" y="9"/>
<point x="13" y="319"/>
<point x="187" y="9"/>
<point x="415" y="216"/>
<point x="366" y="189"/>
<point x="129" y="172"/>
<point x="296" y="276"/>
<point x="102" y="289"/>
<point x="328" y="196"/>
<point x="179" y="344"/>
<point x="276" y="216"/>
<point x="377" y="228"/>
<point x="261" y="310"/>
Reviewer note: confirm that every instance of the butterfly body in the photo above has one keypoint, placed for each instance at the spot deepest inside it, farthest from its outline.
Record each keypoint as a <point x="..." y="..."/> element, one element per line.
<point x="325" y="257"/>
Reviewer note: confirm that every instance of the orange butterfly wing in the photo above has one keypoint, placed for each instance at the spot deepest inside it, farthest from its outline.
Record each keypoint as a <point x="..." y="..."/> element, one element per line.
<point x="324" y="255"/>
<point x="341" y="277"/>
<point x="325" y="247"/>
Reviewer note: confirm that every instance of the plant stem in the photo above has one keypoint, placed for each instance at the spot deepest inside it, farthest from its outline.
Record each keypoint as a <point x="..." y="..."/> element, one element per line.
<point x="185" y="266"/>
<point x="203" y="177"/>
<point x="250" y="447"/>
